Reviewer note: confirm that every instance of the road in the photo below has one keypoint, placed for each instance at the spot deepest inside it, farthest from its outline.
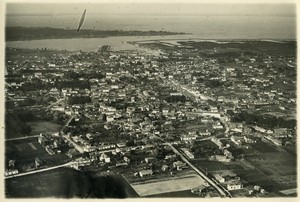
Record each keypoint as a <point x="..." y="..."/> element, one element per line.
<point x="67" y="123"/>
<point x="222" y="120"/>
<point x="40" y="170"/>
<point x="194" y="95"/>
<point x="58" y="101"/>
<point x="188" y="92"/>
<point x="222" y="191"/>
<point x="76" y="146"/>
<point x="22" y="138"/>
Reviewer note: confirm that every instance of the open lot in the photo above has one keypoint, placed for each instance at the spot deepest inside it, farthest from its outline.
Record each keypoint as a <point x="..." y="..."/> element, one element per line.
<point x="68" y="183"/>
<point x="290" y="192"/>
<point x="24" y="150"/>
<point x="182" y="183"/>
<point x="279" y="167"/>
<point x="210" y="166"/>
<point x="38" y="127"/>
<point x="264" y="147"/>
<point x="179" y="194"/>
<point x="56" y="183"/>
<point x="263" y="164"/>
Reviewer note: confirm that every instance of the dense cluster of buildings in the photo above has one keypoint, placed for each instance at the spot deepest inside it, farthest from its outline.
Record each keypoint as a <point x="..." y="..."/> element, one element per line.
<point x="118" y="103"/>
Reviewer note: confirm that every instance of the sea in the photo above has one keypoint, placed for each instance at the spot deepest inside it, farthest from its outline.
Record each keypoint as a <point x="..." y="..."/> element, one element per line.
<point x="200" y="27"/>
<point x="206" y="27"/>
<point x="118" y="43"/>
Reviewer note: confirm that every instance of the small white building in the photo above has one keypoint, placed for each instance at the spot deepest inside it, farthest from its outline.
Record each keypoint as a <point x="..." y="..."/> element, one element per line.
<point x="234" y="185"/>
<point x="145" y="173"/>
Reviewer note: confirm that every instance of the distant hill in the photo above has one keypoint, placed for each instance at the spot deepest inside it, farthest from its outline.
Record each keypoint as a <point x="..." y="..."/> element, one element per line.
<point x="33" y="33"/>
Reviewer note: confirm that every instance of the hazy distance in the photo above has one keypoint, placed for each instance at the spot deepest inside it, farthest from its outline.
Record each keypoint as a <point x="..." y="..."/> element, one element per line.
<point x="248" y="21"/>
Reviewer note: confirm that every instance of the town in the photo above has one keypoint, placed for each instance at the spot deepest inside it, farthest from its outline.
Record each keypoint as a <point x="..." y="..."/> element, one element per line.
<point x="213" y="119"/>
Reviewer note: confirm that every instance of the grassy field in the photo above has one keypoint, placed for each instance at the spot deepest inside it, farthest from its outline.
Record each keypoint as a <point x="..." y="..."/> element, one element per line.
<point x="263" y="164"/>
<point x="264" y="147"/>
<point x="68" y="183"/>
<point x="279" y="167"/>
<point x="177" y="194"/>
<point x="210" y="165"/>
<point x="24" y="150"/>
<point x="62" y="183"/>
<point x="112" y="186"/>
<point x="38" y="127"/>
<point x="182" y="183"/>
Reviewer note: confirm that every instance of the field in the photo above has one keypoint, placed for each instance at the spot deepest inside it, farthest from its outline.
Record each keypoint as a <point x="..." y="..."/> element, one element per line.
<point x="182" y="183"/>
<point x="56" y="183"/>
<point x="178" y="194"/>
<point x="68" y="183"/>
<point x="210" y="166"/>
<point x="286" y="48"/>
<point x="24" y="150"/>
<point x="263" y="164"/>
<point x="279" y="167"/>
<point x="264" y="147"/>
<point x="290" y="192"/>
<point x="38" y="127"/>
<point x="112" y="186"/>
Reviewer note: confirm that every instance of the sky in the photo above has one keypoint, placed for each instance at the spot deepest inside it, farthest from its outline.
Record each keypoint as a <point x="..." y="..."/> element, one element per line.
<point x="206" y="9"/>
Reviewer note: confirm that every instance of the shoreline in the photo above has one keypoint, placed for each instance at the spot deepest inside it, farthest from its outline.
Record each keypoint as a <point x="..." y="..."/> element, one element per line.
<point x="198" y="38"/>
<point x="123" y="43"/>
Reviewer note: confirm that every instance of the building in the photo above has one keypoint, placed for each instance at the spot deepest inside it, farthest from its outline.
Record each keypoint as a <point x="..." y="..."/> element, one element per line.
<point x="104" y="157"/>
<point x="11" y="172"/>
<point x="170" y="157"/>
<point x="179" y="165"/>
<point x="211" y="114"/>
<point x="143" y="173"/>
<point x="235" y="140"/>
<point x="38" y="162"/>
<point x="219" y="178"/>
<point x="150" y="159"/>
<point x="220" y="158"/>
<point x="71" y="153"/>
<point x="228" y="154"/>
<point x="188" y="153"/>
<point x="164" y="168"/>
<point x="204" y="133"/>
<point x="11" y="163"/>
<point x="126" y="159"/>
<point x="121" y="163"/>
<point x="217" y="142"/>
<point x="188" y="137"/>
<point x="234" y="185"/>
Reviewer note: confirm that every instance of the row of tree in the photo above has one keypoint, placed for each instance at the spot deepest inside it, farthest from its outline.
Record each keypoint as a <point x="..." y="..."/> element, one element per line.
<point x="264" y="120"/>
<point x="79" y="100"/>
<point x="15" y="125"/>
<point x="87" y="75"/>
<point x="72" y="84"/>
<point x="176" y="98"/>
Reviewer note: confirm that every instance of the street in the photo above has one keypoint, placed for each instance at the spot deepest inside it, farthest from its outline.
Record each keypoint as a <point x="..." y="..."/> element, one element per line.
<point x="38" y="171"/>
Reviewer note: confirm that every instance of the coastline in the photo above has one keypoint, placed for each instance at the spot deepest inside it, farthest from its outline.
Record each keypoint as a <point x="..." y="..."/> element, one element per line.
<point x="121" y="43"/>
